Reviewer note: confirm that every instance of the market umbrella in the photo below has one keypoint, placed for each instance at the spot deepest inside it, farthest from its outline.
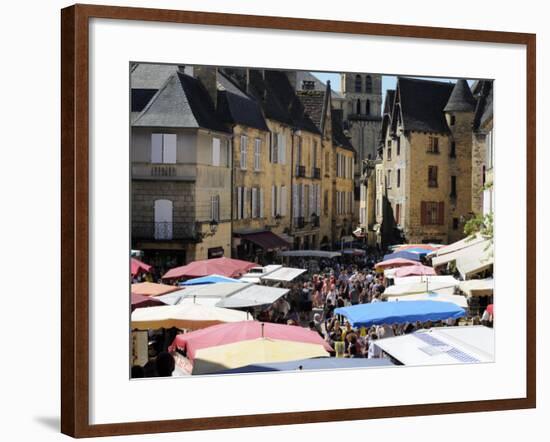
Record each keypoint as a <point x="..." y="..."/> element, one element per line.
<point x="428" y="247"/>
<point x="210" y="279"/>
<point x="398" y="262"/>
<point x="184" y="316"/>
<point x="217" y="266"/>
<point x="255" y="351"/>
<point x="378" y="313"/>
<point x="414" y="270"/>
<point x="153" y="289"/>
<point x="243" y="331"/>
<point x="312" y="364"/>
<point x="405" y="254"/>
<point x="140" y="301"/>
<point x="136" y="266"/>
<point x="490" y="309"/>
<point x="459" y="300"/>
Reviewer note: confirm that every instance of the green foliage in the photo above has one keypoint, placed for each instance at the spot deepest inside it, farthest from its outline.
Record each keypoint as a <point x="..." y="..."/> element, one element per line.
<point x="482" y="224"/>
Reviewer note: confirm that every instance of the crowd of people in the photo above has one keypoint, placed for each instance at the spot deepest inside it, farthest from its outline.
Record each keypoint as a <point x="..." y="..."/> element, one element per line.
<point x="312" y="300"/>
<point x="311" y="303"/>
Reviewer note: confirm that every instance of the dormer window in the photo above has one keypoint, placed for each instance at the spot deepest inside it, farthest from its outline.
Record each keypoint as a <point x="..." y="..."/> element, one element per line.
<point x="308" y="85"/>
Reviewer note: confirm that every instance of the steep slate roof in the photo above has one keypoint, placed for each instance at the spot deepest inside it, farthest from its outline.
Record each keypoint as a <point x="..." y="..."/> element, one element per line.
<point x="484" y="107"/>
<point x="422" y="103"/>
<point x="151" y="76"/>
<point x="235" y="107"/>
<point x="272" y="106"/>
<point x="388" y="101"/>
<point x="314" y="105"/>
<point x="461" y="99"/>
<point x="140" y="98"/>
<point x="338" y="136"/>
<point x="319" y="85"/>
<point x="386" y="115"/>
<point x="181" y="102"/>
<point x="279" y="100"/>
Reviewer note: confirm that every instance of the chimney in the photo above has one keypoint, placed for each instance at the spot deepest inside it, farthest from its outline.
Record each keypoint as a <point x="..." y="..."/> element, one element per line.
<point x="207" y="75"/>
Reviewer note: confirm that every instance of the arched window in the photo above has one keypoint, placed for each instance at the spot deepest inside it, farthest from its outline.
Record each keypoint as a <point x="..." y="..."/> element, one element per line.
<point x="358" y="107"/>
<point x="358" y="83"/>
<point x="367" y="109"/>
<point x="163" y="219"/>
<point x="368" y="84"/>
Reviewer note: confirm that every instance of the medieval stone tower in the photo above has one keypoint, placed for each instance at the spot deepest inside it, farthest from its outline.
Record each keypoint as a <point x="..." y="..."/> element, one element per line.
<point x="362" y="107"/>
<point x="459" y="113"/>
<point x="362" y="118"/>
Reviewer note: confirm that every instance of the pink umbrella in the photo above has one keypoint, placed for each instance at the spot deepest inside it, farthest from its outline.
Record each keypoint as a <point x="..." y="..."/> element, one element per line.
<point x="414" y="270"/>
<point x="417" y="246"/>
<point x="137" y="267"/>
<point x="395" y="262"/>
<point x="243" y="331"/>
<point x="140" y="301"/>
<point x="220" y="266"/>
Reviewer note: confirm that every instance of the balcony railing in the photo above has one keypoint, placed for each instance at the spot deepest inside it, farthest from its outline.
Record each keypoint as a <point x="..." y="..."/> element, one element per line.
<point x="155" y="171"/>
<point x="299" y="222"/>
<point x="163" y="231"/>
<point x="301" y="171"/>
<point x="316" y="172"/>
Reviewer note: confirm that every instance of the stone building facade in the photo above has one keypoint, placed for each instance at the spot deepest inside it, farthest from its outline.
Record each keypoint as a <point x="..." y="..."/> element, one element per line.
<point x="234" y="162"/>
<point x="181" y="173"/>
<point x="483" y="149"/>
<point x="427" y="155"/>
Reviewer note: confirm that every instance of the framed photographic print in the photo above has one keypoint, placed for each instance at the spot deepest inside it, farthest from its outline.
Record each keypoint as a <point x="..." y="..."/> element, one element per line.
<point x="258" y="205"/>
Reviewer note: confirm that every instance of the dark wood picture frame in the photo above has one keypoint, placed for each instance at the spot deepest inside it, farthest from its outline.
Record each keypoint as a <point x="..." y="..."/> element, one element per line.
<point x="74" y="219"/>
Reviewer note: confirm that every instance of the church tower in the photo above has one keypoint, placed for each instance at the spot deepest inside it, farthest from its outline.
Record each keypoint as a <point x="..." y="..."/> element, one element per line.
<point x="362" y="112"/>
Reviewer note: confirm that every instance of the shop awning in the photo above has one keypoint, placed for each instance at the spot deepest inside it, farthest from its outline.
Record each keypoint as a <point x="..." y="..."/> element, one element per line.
<point x="477" y="287"/>
<point x="228" y="295"/>
<point x="266" y="240"/>
<point x="442" y="345"/>
<point x="252" y="296"/>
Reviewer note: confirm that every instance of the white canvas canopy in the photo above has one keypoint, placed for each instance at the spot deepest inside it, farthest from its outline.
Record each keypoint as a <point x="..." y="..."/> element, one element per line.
<point x="447" y="279"/>
<point x="456" y="246"/>
<point x="252" y="296"/>
<point x="272" y="273"/>
<point x="226" y="295"/>
<point x="477" y="287"/>
<point x="475" y="259"/>
<point x="442" y="345"/>
<point x="415" y="288"/>
<point x="459" y="300"/>
<point x="186" y="316"/>
<point x="472" y="255"/>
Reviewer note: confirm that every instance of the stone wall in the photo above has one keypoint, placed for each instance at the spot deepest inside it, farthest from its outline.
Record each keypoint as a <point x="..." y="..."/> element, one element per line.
<point x="181" y="193"/>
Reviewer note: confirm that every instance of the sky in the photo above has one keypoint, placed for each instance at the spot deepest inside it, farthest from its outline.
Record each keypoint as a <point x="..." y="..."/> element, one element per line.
<point x="388" y="81"/>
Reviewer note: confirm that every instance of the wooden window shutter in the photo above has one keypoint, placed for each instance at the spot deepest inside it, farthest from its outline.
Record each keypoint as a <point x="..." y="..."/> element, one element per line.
<point x="441" y="213"/>
<point x="261" y="208"/>
<point x="273" y="202"/>
<point x="423" y="213"/>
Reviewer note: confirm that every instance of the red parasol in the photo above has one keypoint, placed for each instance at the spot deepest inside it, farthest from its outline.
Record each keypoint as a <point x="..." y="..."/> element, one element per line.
<point x="415" y="270"/>
<point x="219" y="266"/>
<point x="139" y="267"/>
<point x="243" y="331"/>
<point x="140" y="301"/>
<point x="395" y="262"/>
